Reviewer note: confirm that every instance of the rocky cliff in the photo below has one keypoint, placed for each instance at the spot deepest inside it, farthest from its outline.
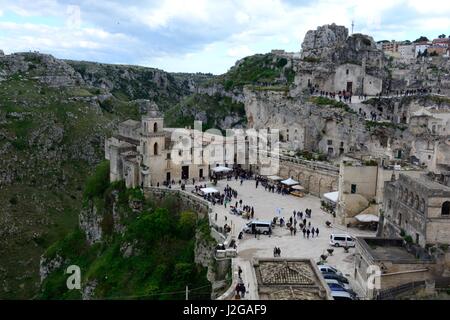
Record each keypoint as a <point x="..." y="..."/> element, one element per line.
<point x="131" y="248"/>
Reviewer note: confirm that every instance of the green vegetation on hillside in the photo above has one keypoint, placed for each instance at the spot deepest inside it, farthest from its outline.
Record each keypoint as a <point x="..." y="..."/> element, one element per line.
<point x="50" y="139"/>
<point x="160" y="243"/>
<point x="197" y="106"/>
<point x="323" y="101"/>
<point x="258" y="69"/>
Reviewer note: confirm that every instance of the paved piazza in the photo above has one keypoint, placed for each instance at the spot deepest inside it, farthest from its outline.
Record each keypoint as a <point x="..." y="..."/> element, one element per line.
<point x="266" y="204"/>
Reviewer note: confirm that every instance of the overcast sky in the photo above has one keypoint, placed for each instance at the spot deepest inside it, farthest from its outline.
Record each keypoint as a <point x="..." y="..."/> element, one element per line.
<point x="201" y="35"/>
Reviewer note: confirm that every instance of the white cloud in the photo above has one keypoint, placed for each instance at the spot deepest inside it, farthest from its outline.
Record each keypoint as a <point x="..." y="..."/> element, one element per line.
<point x="203" y="35"/>
<point x="239" y="51"/>
<point x="241" y="17"/>
<point x="431" y="6"/>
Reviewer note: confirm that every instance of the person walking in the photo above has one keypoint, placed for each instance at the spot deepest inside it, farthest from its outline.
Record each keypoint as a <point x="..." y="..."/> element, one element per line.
<point x="295" y="231"/>
<point x="304" y="232"/>
<point x="309" y="224"/>
<point x="312" y="232"/>
<point x="317" y="232"/>
<point x="304" y="222"/>
<point x="308" y="232"/>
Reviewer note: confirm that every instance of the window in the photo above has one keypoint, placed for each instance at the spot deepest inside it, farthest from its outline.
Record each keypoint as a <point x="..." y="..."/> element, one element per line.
<point x="346" y="72"/>
<point x="168" y="156"/>
<point x="445" y="208"/>
<point x="155" y="149"/>
<point x="155" y="127"/>
<point x="353" y="188"/>
<point x="399" y="219"/>
<point x="342" y="143"/>
<point x="330" y="142"/>
<point x="389" y="204"/>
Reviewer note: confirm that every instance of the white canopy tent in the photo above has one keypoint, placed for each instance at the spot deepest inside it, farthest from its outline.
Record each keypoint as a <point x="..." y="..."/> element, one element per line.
<point x="332" y="196"/>
<point x="365" y="217"/>
<point x="275" y="178"/>
<point x="289" y="182"/>
<point x="221" y="169"/>
<point x="298" y="187"/>
<point x="209" y="190"/>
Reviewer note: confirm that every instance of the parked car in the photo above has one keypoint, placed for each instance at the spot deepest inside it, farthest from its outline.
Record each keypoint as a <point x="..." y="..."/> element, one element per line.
<point x="341" y="295"/>
<point x="340" y="287"/>
<point x="263" y="227"/>
<point x="345" y="286"/>
<point x="330" y="275"/>
<point x="342" y="240"/>
<point x="329" y="269"/>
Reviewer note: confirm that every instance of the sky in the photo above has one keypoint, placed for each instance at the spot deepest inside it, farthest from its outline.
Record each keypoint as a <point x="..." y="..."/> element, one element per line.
<point x="201" y="35"/>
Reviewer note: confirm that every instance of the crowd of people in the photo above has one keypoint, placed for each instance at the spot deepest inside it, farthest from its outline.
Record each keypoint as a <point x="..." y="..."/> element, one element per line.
<point x="271" y="187"/>
<point x="342" y="95"/>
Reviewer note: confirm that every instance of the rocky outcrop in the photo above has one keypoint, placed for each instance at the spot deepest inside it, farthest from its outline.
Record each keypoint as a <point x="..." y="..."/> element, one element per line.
<point x="47" y="266"/>
<point x="90" y="222"/>
<point x="322" y="42"/>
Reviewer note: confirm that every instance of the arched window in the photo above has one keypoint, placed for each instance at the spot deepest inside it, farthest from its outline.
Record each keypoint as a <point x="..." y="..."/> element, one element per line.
<point x="155" y="127"/>
<point x="155" y="149"/>
<point x="445" y="208"/>
<point x="416" y="202"/>
<point x="145" y="147"/>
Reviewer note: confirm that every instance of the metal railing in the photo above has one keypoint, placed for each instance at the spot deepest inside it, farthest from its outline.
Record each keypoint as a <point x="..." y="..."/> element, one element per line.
<point x="392" y="293"/>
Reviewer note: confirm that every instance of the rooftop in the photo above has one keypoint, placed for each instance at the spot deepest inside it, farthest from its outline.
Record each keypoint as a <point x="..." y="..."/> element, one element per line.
<point x="289" y="279"/>
<point x="425" y="181"/>
<point x="392" y="249"/>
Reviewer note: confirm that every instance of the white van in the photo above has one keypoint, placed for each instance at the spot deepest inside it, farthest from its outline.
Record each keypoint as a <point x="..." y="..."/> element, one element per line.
<point x="263" y="227"/>
<point x="342" y="240"/>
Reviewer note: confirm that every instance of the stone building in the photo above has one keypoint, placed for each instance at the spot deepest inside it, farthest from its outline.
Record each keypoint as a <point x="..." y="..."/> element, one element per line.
<point x="418" y="206"/>
<point x="141" y="154"/>
<point x="382" y="264"/>
<point x="361" y="186"/>
<point x="333" y="61"/>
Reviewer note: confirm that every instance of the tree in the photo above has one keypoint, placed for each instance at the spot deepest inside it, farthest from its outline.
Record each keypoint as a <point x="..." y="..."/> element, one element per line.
<point x="98" y="182"/>
<point x="442" y="36"/>
<point x="186" y="224"/>
<point x="421" y="39"/>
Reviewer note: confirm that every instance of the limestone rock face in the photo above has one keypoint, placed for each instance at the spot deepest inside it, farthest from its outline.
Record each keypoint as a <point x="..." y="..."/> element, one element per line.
<point x="90" y="223"/>
<point x="319" y="43"/>
<point x="47" y="266"/>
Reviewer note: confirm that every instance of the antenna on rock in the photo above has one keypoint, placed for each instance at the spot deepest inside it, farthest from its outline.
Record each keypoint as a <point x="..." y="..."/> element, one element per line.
<point x="353" y="25"/>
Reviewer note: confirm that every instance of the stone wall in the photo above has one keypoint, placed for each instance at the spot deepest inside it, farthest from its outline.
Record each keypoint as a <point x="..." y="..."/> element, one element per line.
<point x="316" y="178"/>
<point x="187" y="201"/>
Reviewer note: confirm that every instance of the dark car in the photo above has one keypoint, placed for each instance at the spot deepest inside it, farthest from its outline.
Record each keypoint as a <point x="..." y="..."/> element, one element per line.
<point x="338" y="287"/>
<point x="329" y="275"/>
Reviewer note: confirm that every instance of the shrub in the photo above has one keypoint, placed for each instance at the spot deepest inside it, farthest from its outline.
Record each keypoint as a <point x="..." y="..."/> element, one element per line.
<point x="98" y="182"/>
<point x="13" y="201"/>
<point x="186" y="224"/>
<point x="408" y="239"/>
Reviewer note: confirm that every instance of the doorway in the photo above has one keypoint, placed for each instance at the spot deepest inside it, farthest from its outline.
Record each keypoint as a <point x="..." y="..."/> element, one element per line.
<point x="185" y="172"/>
<point x="168" y="176"/>
<point x="349" y="86"/>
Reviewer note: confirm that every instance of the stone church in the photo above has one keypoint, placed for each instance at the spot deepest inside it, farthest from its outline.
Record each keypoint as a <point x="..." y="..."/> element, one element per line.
<point x="140" y="154"/>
